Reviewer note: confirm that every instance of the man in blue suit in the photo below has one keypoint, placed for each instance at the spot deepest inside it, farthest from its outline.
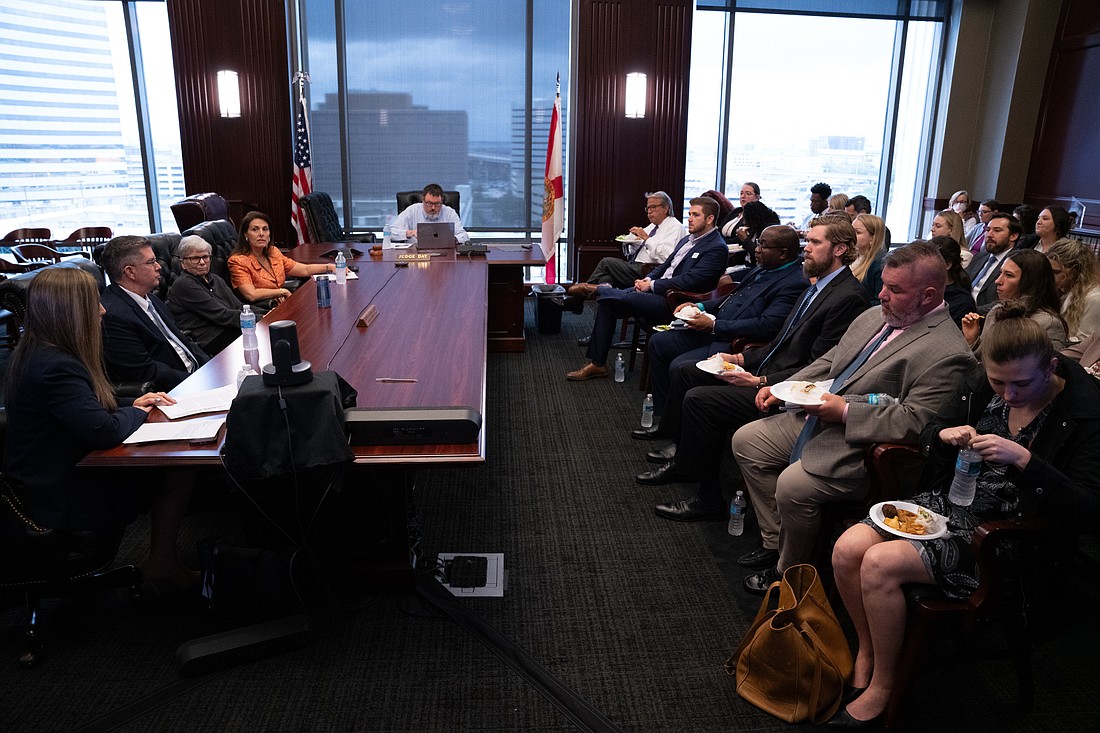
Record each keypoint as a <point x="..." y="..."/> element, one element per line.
<point x="141" y="342"/>
<point x="754" y="311"/>
<point x="695" y="265"/>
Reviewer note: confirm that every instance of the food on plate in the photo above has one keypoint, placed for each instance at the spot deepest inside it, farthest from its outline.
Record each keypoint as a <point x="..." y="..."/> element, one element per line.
<point x="807" y="388"/>
<point x="729" y="366"/>
<point x="906" y="521"/>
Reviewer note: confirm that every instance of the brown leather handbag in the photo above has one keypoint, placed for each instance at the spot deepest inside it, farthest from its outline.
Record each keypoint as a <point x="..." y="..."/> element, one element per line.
<point x="794" y="660"/>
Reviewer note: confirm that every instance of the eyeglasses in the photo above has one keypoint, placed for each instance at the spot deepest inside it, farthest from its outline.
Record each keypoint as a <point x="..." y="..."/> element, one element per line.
<point x="196" y="258"/>
<point x="651" y="207"/>
<point x="433" y="204"/>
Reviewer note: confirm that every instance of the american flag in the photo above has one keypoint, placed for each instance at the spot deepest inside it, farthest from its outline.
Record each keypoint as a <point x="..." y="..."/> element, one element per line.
<point x="303" y="171"/>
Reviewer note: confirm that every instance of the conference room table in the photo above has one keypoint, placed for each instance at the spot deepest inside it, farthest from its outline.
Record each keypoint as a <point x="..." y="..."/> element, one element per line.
<point x="431" y="327"/>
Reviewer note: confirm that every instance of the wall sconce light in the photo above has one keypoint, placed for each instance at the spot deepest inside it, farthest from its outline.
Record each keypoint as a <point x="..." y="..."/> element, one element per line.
<point x="635" y="95"/>
<point x="229" y="94"/>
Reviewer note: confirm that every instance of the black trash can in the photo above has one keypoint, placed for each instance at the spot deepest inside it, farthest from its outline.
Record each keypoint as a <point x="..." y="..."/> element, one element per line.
<point x="548" y="300"/>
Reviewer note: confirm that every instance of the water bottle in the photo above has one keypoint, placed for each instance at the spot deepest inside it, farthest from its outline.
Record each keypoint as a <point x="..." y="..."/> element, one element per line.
<point x="647" y="411"/>
<point x="386" y="243"/>
<point x="967" y="467"/>
<point x="737" y="514"/>
<point x="341" y="268"/>
<point x="324" y="298"/>
<point x="248" y="331"/>
<point x="878" y="398"/>
<point x="620" y="368"/>
<point x="245" y="371"/>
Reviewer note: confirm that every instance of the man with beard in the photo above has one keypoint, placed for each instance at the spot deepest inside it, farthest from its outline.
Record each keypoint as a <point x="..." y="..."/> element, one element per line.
<point x="1002" y="232"/>
<point x="908" y="348"/>
<point x="702" y="407"/>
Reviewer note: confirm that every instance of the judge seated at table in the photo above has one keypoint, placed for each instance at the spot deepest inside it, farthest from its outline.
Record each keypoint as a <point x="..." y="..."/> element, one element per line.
<point x="202" y="302"/>
<point x="258" y="270"/>
<point x="431" y="211"/>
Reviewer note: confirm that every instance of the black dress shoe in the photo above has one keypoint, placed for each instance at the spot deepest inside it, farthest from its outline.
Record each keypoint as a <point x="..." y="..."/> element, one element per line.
<point x="662" y="455"/>
<point x="851" y="693"/>
<point x="761" y="557"/>
<point x="653" y="433"/>
<point x="843" y="720"/>
<point x="573" y="304"/>
<point x="758" y="583"/>
<point x="691" y="510"/>
<point x="669" y="473"/>
<point x="583" y="341"/>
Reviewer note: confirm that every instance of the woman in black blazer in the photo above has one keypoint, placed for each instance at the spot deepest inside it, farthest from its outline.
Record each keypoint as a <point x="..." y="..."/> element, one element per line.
<point x="61" y="406"/>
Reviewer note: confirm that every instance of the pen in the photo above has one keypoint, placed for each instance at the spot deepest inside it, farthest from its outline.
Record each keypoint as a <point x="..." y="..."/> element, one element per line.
<point x="393" y="379"/>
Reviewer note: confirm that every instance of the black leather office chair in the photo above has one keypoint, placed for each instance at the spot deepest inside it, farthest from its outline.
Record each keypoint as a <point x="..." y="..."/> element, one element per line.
<point x="198" y="208"/>
<point x="450" y="198"/>
<point x="323" y="223"/>
<point x="13" y="290"/>
<point x="221" y="235"/>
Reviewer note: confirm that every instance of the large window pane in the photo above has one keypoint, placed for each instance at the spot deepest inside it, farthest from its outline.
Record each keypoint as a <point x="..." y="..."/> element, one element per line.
<point x="71" y="156"/>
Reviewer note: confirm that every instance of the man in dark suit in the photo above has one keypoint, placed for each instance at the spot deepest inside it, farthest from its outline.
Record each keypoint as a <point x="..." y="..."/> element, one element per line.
<point x="703" y="408"/>
<point x="1002" y="232"/>
<point x="754" y="311"/>
<point x="141" y="342"/>
<point x="908" y="348"/>
<point x="695" y="265"/>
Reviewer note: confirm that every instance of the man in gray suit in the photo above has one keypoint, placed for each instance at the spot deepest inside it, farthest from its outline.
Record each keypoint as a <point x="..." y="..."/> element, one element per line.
<point x="908" y="348"/>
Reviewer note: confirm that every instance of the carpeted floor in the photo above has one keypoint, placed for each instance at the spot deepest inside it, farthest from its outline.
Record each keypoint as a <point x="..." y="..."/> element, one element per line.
<point x="634" y="613"/>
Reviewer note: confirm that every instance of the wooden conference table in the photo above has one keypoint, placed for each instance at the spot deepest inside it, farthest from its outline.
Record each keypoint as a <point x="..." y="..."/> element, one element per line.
<point x="431" y="326"/>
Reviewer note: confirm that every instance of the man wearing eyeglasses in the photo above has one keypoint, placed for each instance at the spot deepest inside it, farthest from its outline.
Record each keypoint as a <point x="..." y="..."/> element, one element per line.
<point x="432" y="210"/>
<point x="650" y="247"/>
<point x="141" y="341"/>
<point x="202" y="302"/>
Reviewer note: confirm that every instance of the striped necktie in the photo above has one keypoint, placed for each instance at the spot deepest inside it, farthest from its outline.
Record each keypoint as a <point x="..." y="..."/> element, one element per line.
<point x="801" y="311"/>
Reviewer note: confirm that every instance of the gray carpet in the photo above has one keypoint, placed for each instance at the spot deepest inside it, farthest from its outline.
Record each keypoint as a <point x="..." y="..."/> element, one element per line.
<point x="634" y="613"/>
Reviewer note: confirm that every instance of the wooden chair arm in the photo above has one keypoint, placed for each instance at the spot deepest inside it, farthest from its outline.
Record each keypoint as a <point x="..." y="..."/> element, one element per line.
<point x="989" y="539"/>
<point x="880" y="459"/>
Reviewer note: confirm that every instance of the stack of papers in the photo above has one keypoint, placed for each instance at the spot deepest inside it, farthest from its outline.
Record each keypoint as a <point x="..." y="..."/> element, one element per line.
<point x="212" y="400"/>
<point x="193" y="430"/>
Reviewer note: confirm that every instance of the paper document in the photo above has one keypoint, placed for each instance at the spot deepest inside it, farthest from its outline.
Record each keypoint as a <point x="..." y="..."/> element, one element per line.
<point x="186" y="430"/>
<point x="212" y="400"/>
<point x="332" y="277"/>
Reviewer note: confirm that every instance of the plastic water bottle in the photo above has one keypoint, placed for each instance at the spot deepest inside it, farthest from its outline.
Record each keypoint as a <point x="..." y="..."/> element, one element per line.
<point x="647" y="411"/>
<point x="324" y="297"/>
<point x="245" y="371"/>
<point x="248" y="330"/>
<point x="386" y="243"/>
<point x="341" y="268"/>
<point x="967" y="467"/>
<point x="620" y="368"/>
<point x="737" y="514"/>
<point x="878" y="398"/>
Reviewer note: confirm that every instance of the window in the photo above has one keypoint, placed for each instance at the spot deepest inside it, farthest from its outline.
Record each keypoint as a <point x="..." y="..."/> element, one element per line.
<point x="455" y="93"/>
<point x="72" y="154"/>
<point x="787" y="100"/>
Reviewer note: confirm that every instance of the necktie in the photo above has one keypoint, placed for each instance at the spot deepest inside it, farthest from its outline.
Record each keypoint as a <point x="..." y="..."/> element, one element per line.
<point x="860" y="360"/>
<point x="979" y="240"/>
<point x="801" y="311"/>
<point x="184" y="354"/>
<point x="980" y="279"/>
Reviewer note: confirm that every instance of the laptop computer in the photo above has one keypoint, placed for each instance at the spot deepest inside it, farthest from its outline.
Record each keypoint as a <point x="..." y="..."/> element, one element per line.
<point x="435" y="236"/>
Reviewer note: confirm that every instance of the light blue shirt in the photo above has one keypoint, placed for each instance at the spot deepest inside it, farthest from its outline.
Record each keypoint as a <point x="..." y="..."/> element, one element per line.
<point x="414" y="214"/>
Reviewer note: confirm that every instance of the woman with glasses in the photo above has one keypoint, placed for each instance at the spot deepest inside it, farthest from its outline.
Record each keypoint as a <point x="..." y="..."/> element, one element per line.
<point x="258" y="270"/>
<point x="202" y="302"/>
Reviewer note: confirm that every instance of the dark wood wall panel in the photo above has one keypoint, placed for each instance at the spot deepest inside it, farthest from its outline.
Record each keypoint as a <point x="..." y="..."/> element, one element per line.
<point x="247" y="159"/>
<point x="1066" y="154"/>
<point x="617" y="160"/>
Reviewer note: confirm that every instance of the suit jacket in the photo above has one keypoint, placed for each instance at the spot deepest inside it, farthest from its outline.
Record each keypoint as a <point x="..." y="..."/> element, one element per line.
<point x="135" y="349"/>
<point x="700" y="269"/>
<point x="976" y="230"/>
<point x="923" y="367"/>
<point x="757" y="309"/>
<point x="207" y="310"/>
<point x="54" y="420"/>
<point x="819" y="329"/>
<point x="988" y="294"/>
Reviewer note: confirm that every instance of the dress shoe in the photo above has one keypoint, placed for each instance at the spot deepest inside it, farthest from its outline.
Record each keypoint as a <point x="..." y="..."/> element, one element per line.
<point x="653" y="433"/>
<point x="573" y="304"/>
<point x="843" y="720"/>
<point x="851" y="693"/>
<point x="581" y="290"/>
<point x="691" y="510"/>
<point x="583" y="340"/>
<point x="662" y="455"/>
<point x="669" y="473"/>
<point x="759" y="583"/>
<point x="588" y="371"/>
<point x="759" y="558"/>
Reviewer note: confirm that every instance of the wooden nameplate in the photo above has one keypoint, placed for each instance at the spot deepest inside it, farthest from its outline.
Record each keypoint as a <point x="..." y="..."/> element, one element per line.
<point x="367" y="316"/>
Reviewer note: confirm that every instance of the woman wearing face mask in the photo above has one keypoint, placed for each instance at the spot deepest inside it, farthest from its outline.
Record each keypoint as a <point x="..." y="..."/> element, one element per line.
<point x="1025" y="276"/>
<point x="960" y="204"/>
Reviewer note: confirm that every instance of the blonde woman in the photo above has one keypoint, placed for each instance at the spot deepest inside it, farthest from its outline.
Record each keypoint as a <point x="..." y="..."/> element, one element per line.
<point x="870" y="253"/>
<point x="837" y="202"/>
<point x="960" y="204"/>
<point x="1074" y="267"/>
<point x="949" y="224"/>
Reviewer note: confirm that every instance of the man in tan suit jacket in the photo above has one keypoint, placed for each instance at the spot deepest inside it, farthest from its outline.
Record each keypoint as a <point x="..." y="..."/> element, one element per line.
<point x="921" y="359"/>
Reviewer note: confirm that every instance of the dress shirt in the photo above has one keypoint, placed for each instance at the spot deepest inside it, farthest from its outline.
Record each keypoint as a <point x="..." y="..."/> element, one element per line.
<point x="146" y="305"/>
<point x="415" y="214"/>
<point x="662" y="240"/>
<point x="682" y="254"/>
<point x="990" y="265"/>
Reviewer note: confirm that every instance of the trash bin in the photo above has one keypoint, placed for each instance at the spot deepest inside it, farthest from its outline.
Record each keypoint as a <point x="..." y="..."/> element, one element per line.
<point x="548" y="300"/>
